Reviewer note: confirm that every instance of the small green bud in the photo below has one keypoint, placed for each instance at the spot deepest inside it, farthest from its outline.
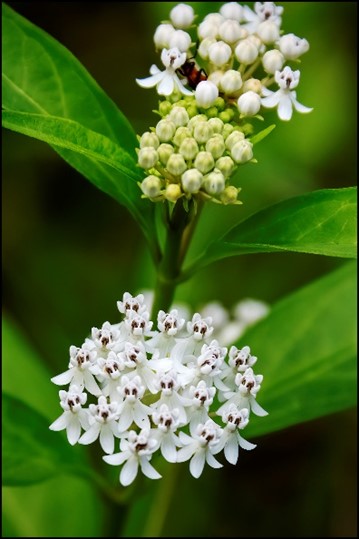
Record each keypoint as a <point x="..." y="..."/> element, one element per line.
<point x="192" y="180"/>
<point x="165" y="129"/>
<point x="164" y="152"/>
<point x="226" y="165"/>
<point x="226" y="115"/>
<point x="242" y="151"/>
<point x="176" y="164"/>
<point x="219" y="103"/>
<point x="202" y="132"/>
<point x="164" y="108"/>
<point x="181" y="133"/>
<point x="189" y="148"/>
<point x="233" y="138"/>
<point x="147" y="157"/>
<point x="247" y="129"/>
<point x="204" y="162"/>
<point x="192" y="110"/>
<point x="179" y="116"/>
<point x="214" y="182"/>
<point x="173" y="192"/>
<point x="227" y="130"/>
<point x="216" y="125"/>
<point x="215" y="145"/>
<point x="229" y="195"/>
<point x="151" y="186"/>
<point x="149" y="140"/>
<point x="212" y="112"/>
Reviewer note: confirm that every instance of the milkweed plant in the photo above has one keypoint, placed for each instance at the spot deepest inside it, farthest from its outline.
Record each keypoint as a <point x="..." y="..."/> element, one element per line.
<point x="162" y="382"/>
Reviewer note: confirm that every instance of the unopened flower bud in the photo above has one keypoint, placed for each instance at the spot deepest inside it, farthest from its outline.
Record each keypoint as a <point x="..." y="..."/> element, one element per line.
<point x="151" y="186"/>
<point x="214" y="183"/>
<point x="230" y="31"/>
<point x="268" y="31"/>
<point x="292" y="47"/>
<point x="229" y="195"/>
<point x="207" y="29"/>
<point x="192" y="180"/>
<point x="242" y="151"/>
<point x="173" y="192"/>
<point x="219" y="53"/>
<point x="192" y="110"/>
<point x="252" y="85"/>
<point x="189" y="148"/>
<point x="198" y="118"/>
<point x="215" y="145"/>
<point x="227" y="130"/>
<point x="204" y="162"/>
<point x="206" y="93"/>
<point x="149" y="140"/>
<point x="231" y="82"/>
<point x="176" y="164"/>
<point x="215" y="77"/>
<point x="165" y="129"/>
<point x="249" y="104"/>
<point x="246" y="52"/>
<point x="147" y="157"/>
<point x="181" y="133"/>
<point x="216" y="125"/>
<point x="233" y="138"/>
<point x="202" y="132"/>
<point x="226" y="165"/>
<point x="226" y="115"/>
<point x="164" y="152"/>
<point x="182" y="16"/>
<point x="179" y="116"/>
<point x="231" y="10"/>
<point x="164" y="108"/>
<point x="181" y="40"/>
<point x="204" y="47"/>
<point x="220" y="103"/>
<point x="272" y="61"/>
<point x="162" y="36"/>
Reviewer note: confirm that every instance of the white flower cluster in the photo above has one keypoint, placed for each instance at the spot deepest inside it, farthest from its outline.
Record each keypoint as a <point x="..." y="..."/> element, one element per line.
<point x="158" y="391"/>
<point x="241" y="53"/>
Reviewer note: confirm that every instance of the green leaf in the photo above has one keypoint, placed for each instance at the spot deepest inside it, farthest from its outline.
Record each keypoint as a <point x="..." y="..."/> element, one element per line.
<point x="42" y="77"/>
<point x="262" y="134"/>
<point x="322" y="222"/>
<point x="306" y="351"/>
<point x="31" y="452"/>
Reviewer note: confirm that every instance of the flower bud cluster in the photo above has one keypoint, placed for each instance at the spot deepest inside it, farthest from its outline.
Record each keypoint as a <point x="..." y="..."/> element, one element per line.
<point x="174" y="391"/>
<point x="239" y="54"/>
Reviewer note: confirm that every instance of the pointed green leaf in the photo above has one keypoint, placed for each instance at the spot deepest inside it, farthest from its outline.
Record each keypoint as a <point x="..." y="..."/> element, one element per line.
<point x="262" y="134"/>
<point x="306" y="350"/>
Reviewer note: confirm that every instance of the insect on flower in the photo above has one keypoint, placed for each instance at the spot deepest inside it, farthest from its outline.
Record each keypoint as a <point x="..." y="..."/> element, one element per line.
<point x="193" y="74"/>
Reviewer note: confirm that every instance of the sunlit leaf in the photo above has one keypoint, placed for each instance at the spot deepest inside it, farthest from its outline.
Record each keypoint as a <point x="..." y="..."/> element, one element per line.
<point x="306" y="351"/>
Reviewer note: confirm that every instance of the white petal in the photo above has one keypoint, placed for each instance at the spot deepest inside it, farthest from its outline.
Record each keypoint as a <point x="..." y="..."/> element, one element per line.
<point x="181" y="88"/>
<point x="129" y="471"/>
<point x="162" y="364"/>
<point x="60" y="423"/>
<point x="245" y="444"/>
<point x="185" y="453"/>
<point x="126" y="418"/>
<point x="168" y="448"/>
<point x="197" y="463"/>
<point x="116" y="459"/>
<point x="154" y="69"/>
<point x="150" y="82"/>
<point x="91" y="435"/>
<point x="140" y="416"/>
<point x="73" y="430"/>
<point x="271" y="100"/>
<point x="256" y="408"/>
<point x="148" y="470"/>
<point x="231" y="450"/>
<point x="91" y="385"/>
<point x="285" y="108"/>
<point x="63" y="378"/>
<point x="107" y="440"/>
<point x="166" y="85"/>
<point x="212" y="461"/>
<point x="299" y="107"/>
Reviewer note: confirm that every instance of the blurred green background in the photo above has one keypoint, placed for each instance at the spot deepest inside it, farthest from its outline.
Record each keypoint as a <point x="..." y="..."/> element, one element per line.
<point x="69" y="252"/>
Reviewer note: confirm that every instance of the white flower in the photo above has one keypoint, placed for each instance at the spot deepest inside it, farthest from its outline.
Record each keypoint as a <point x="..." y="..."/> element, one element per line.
<point x="107" y="338"/>
<point x="231" y="439"/>
<point x="167" y="422"/>
<point x="292" y="46"/>
<point x="136" y="450"/>
<point x="200" y="447"/>
<point x="263" y="11"/>
<point x="248" y="384"/>
<point x="73" y="417"/>
<point x="81" y="359"/>
<point x="135" y="359"/>
<point x="131" y="409"/>
<point x="166" y="81"/>
<point x="182" y="16"/>
<point x="169" y="385"/>
<point x="284" y="98"/>
<point x="202" y="398"/>
<point x="130" y="304"/>
<point x="109" y="371"/>
<point x="241" y="358"/>
<point x="206" y="93"/>
<point x="138" y="325"/>
<point x="104" y="424"/>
